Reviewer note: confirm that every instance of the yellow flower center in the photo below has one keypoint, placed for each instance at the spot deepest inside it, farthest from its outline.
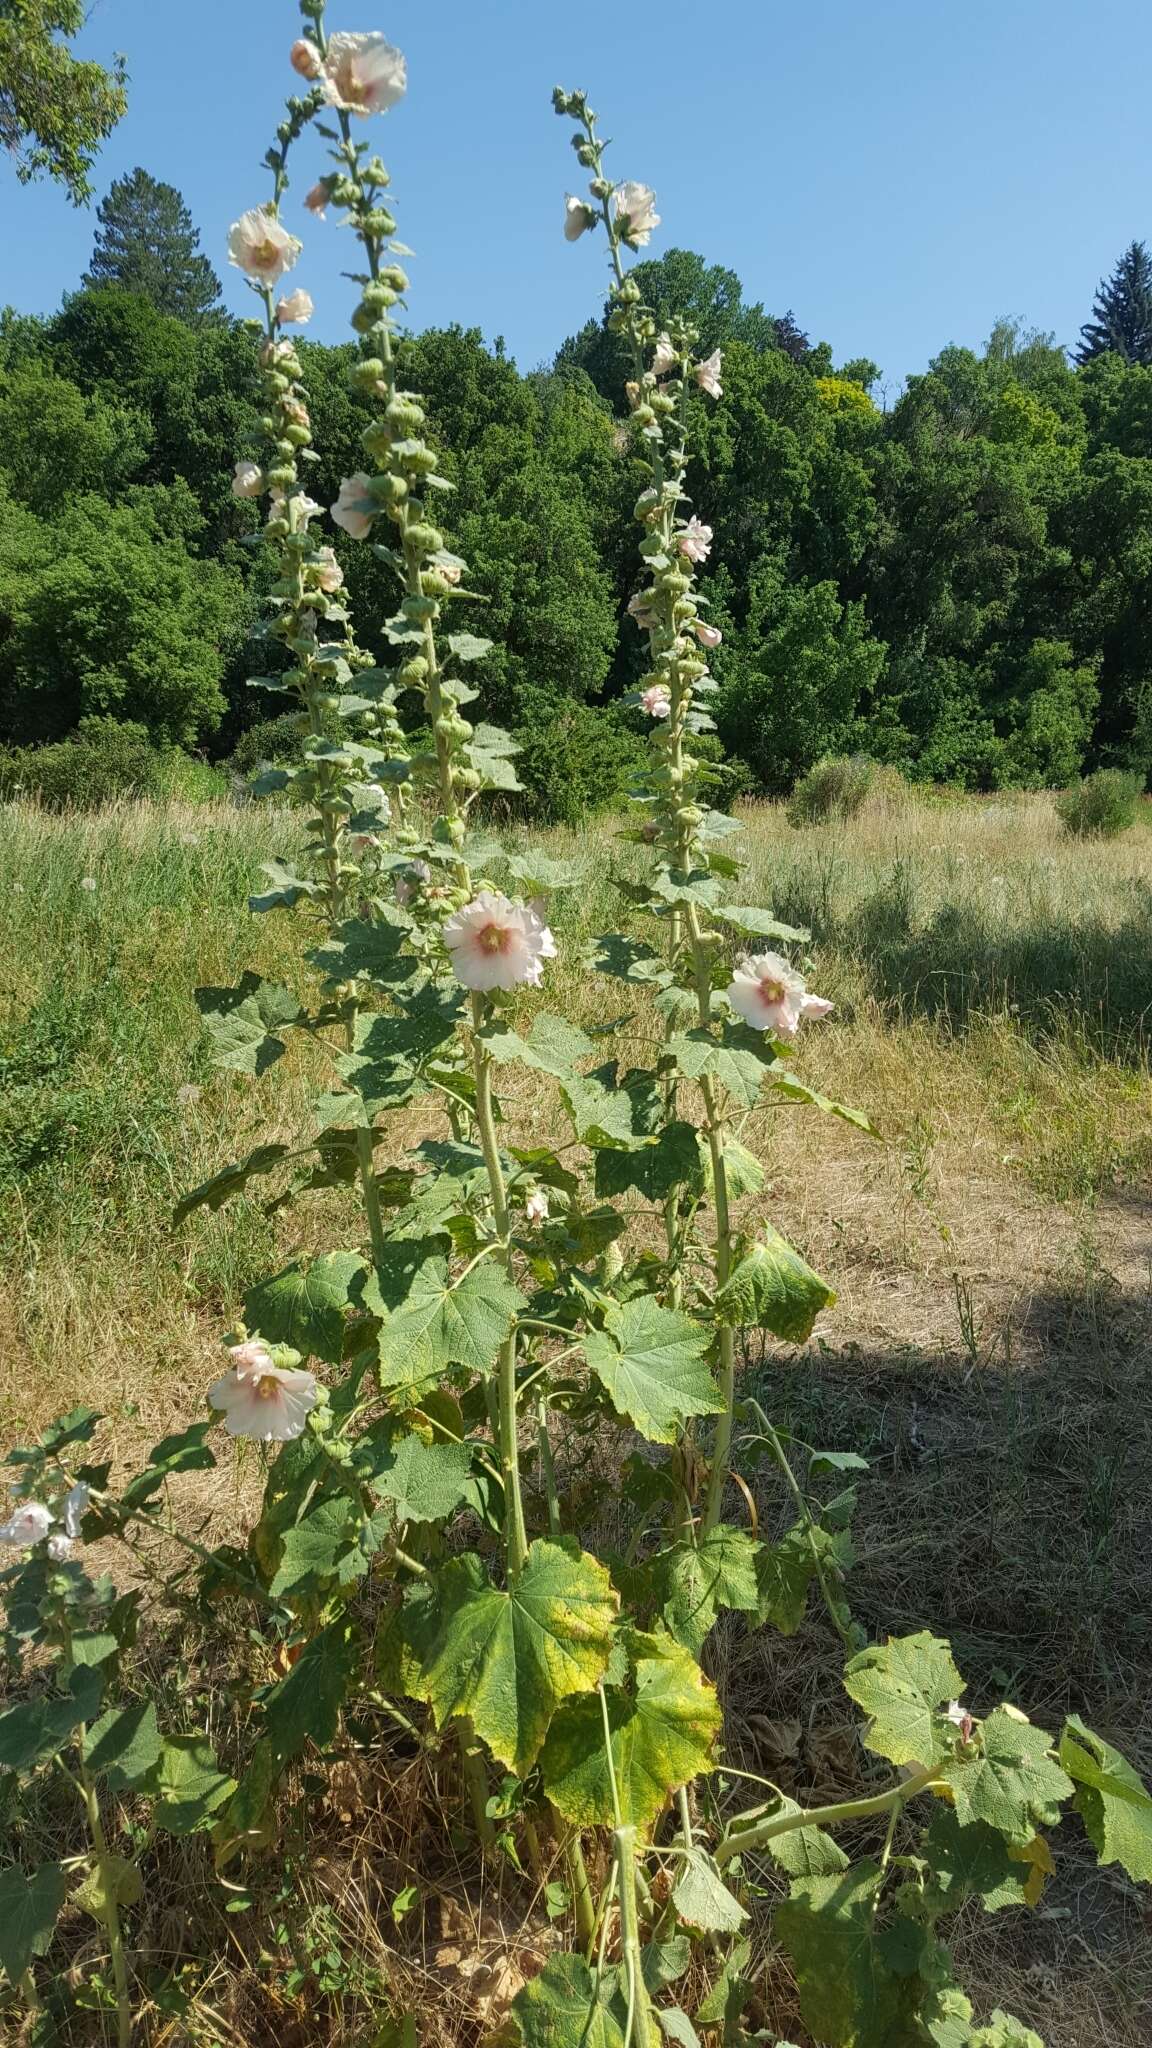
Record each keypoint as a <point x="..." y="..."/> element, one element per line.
<point x="267" y="1387"/>
<point x="772" y="991"/>
<point x="492" y="938"/>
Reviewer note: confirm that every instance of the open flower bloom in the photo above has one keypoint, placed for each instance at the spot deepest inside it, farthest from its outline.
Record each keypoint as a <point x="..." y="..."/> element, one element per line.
<point x="75" y="1506"/>
<point x="305" y="58"/>
<point x="708" y="636"/>
<point x="666" y="357"/>
<point x="326" y="571"/>
<point x="295" y="309"/>
<point x="26" y="1525"/>
<point x="656" y="702"/>
<point x="496" y="944"/>
<point x="364" y="74"/>
<point x="708" y="374"/>
<point x="258" y="1398"/>
<point x="578" y="218"/>
<point x="536" y="1207"/>
<point x="260" y="247"/>
<point x="695" y="540"/>
<point x="771" y="996"/>
<point x="248" y="481"/>
<point x="59" y="1548"/>
<point x="317" y="199"/>
<point x="356" y="508"/>
<point x="640" y="608"/>
<point x="636" y="212"/>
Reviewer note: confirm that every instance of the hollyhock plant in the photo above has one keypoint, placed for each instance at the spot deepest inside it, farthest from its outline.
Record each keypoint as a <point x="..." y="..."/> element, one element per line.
<point x="707" y="374"/>
<point x="636" y="212"/>
<point x="695" y="540"/>
<point x="261" y="1399"/>
<point x="363" y="74"/>
<point x="771" y="996"/>
<point x="494" y="943"/>
<point x="356" y="508"/>
<point x="26" y="1525"/>
<point x="666" y="356"/>
<point x="260" y="247"/>
<point x="326" y="571"/>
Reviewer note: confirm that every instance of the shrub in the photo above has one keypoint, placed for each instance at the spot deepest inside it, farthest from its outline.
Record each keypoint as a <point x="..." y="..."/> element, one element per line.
<point x="271" y="742"/>
<point x="102" y="760"/>
<point x="834" y="788"/>
<point x="1100" y="806"/>
<point x="575" y="759"/>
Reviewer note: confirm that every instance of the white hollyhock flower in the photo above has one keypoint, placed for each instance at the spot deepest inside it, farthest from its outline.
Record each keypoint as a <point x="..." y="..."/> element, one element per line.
<point x="496" y="944"/>
<point x="326" y="571"/>
<point x="666" y="357"/>
<point x="355" y="508"/>
<point x="247" y="480"/>
<point x="75" y="1507"/>
<point x="708" y="636"/>
<point x="640" y="608"/>
<point x="294" y="310"/>
<point x="695" y="540"/>
<point x="578" y="218"/>
<point x="708" y="374"/>
<point x="260" y="247"/>
<point x="536" y="1207"/>
<point x="636" y="211"/>
<point x="364" y="74"/>
<point x="410" y="881"/>
<point x="656" y="702"/>
<point x="771" y="996"/>
<point x="305" y="58"/>
<point x="261" y="1399"/>
<point x="59" y="1548"/>
<point x="26" y="1525"/>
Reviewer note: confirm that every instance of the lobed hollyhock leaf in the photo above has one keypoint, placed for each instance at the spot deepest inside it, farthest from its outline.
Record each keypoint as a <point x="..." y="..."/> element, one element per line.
<point x="565" y="2006"/>
<point x="231" y="1180"/>
<point x="124" y="1745"/>
<point x="539" y="875"/>
<point x="307" y="1306"/>
<point x="507" y="1657"/>
<point x="36" y="1729"/>
<point x="601" y="1116"/>
<point x="286" y="890"/>
<point x="735" y="1057"/>
<point x="696" y="1580"/>
<point x="759" y="924"/>
<point x="359" y="950"/>
<point x="805" y="1852"/>
<point x="306" y="1705"/>
<point x="664" y="1726"/>
<point x="324" y="1545"/>
<point x="651" y="1361"/>
<point x="774" y="1289"/>
<point x="1112" y="1800"/>
<point x="552" y="1046"/>
<point x="1008" y="1778"/>
<point x="630" y="960"/>
<point x="702" y="1899"/>
<point x="655" y="1170"/>
<point x="971" y="1860"/>
<point x="28" y="1910"/>
<point x="851" y="1994"/>
<point x="244" y="1023"/>
<point x="469" y="646"/>
<point x="903" y="1685"/>
<point x="785" y="1571"/>
<point x="188" y="1785"/>
<point x="422" y="1482"/>
<point x="430" y="1321"/>
<point x="786" y="1084"/>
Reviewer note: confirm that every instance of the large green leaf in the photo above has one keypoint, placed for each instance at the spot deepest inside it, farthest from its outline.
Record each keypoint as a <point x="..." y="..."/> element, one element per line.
<point x="1111" y="1799"/>
<point x="552" y="1046"/>
<point x="306" y="1705"/>
<point x="971" y="1860"/>
<point x="506" y="1658"/>
<point x="1008" y="1778"/>
<point x="231" y="1180"/>
<point x="664" y="1724"/>
<point x="697" y="1579"/>
<point x="422" y="1482"/>
<point x="655" y="1170"/>
<point x="785" y="1084"/>
<point x="804" y="1852"/>
<point x="306" y="1306"/>
<point x="430" y="1321"/>
<point x="774" y="1289"/>
<point x="850" y="1995"/>
<point x="786" y="1571"/>
<point x="325" y="1544"/>
<point x="903" y="1684"/>
<point x="28" y="1909"/>
<point x="36" y="1729"/>
<point x="189" y="1785"/>
<point x="564" y="2007"/>
<point x="601" y="1115"/>
<point x="125" y="1744"/>
<point x="759" y="924"/>
<point x="733" y="1057"/>
<point x="702" y="1899"/>
<point x="245" y="1022"/>
<point x="373" y="952"/>
<point x="651" y="1361"/>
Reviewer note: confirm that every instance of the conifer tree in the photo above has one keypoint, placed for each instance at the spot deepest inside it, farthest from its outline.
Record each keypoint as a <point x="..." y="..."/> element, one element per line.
<point x="1121" y="320"/>
<point x="146" y="243"/>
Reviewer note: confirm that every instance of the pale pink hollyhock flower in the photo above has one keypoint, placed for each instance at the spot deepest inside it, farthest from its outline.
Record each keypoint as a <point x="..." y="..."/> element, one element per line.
<point x="695" y="540"/>
<point x="305" y="58"/>
<point x="27" y="1524"/>
<point x="295" y="309"/>
<point x="641" y="610"/>
<point x="771" y="996"/>
<point x="708" y="374"/>
<point x="364" y="74"/>
<point x="496" y="944"/>
<point x="248" y="480"/>
<point x="303" y="508"/>
<point x="355" y="508"/>
<point x="636" y="211"/>
<point x="317" y="199"/>
<point x="960" y="1718"/>
<point x="666" y="357"/>
<point x="327" y="572"/>
<point x="274" y="353"/>
<point x="708" y="636"/>
<point x="656" y="702"/>
<point x="258" y="1398"/>
<point x="536" y="1207"/>
<point x="59" y="1548"/>
<point x="578" y="218"/>
<point x="76" y="1506"/>
<point x="410" y="881"/>
<point x="448" y="571"/>
<point x="260" y="247"/>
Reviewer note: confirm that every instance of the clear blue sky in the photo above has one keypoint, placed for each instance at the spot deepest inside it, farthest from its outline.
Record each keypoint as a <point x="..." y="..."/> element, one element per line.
<point x="900" y="175"/>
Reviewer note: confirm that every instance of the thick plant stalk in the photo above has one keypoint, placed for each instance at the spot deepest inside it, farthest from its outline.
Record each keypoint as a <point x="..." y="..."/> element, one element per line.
<point x="640" y="2025"/>
<point x="106" y="1867"/>
<point x="747" y="1839"/>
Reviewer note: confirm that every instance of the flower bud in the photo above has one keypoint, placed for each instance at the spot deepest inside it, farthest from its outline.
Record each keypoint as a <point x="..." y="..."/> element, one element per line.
<point x="392" y="276"/>
<point x="366" y="374"/>
<point x="413" y="671"/>
<point x="405" y="416"/>
<point x="428" y="539"/>
<point x="305" y="58"/>
<point x="419" y="609"/>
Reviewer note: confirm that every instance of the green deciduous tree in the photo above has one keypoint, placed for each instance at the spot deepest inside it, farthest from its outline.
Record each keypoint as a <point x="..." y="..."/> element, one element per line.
<point x="54" y="109"/>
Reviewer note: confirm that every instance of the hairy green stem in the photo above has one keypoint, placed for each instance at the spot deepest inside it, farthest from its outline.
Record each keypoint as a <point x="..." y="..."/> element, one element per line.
<point x="106" y="1867"/>
<point x="747" y="1839"/>
<point x="515" y="1532"/>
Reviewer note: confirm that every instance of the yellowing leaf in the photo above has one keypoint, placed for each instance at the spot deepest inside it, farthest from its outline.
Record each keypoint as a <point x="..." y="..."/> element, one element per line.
<point x="774" y="1289"/>
<point x="663" y="1724"/>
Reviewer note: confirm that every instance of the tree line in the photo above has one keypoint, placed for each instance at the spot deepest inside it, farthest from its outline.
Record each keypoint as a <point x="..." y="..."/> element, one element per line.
<point x="960" y="585"/>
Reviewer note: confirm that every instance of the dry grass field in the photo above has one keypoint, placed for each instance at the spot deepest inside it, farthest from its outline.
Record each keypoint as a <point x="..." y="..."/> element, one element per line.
<point x="989" y="1352"/>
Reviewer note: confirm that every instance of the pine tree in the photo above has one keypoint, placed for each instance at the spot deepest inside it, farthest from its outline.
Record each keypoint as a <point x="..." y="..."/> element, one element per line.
<point x="146" y="243"/>
<point x="1122" y="311"/>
